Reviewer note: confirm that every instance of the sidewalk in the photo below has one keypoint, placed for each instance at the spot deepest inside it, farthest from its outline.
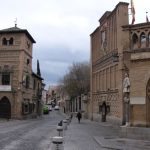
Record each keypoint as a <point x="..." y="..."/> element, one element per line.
<point x="90" y="135"/>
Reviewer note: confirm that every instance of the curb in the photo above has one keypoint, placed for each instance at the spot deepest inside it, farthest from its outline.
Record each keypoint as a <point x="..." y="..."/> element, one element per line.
<point x="107" y="144"/>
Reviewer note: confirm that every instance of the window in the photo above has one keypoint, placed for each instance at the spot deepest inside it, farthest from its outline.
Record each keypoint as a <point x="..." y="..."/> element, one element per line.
<point x="8" y="42"/>
<point x="27" y="81"/>
<point x="28" y="61"/>
<point x="34" y="84"/>
<point x="30" y="108"/>
<point x="143" y="40"/>
<point x="6" y="78"/>
<point x="4" y="41"/>
<point x="25" y="107"/>
<point x="11" y="41"/>
<point x="28" y="45"/>
<point x="134" y="41"/>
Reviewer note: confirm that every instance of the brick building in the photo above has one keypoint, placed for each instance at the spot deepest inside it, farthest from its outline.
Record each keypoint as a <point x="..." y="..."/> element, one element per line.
<point x="20" y="88"/>
<point x="118" y="48"/>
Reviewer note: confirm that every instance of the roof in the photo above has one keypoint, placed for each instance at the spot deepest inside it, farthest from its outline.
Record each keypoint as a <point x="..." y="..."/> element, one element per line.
<point x="37" y="76"/>
<point x="105" y="15"/>
<point x="94" y="31"/>
<point x="18" y="30"/>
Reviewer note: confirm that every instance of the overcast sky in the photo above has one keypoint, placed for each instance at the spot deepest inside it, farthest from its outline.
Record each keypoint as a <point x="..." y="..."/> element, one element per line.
<point x="61" y="29"/>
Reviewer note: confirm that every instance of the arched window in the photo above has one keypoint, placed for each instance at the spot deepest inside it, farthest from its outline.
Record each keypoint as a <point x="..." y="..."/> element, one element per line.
<point x="11" y="41"/>
<point x="4" y="41"/>
<point x="143" y="40"/>
<point x="134" y="41"/>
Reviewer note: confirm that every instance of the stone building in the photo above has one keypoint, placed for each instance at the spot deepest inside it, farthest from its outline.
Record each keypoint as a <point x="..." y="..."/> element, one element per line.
<point x="118" y="48"/>
<point x="20" y="88"/>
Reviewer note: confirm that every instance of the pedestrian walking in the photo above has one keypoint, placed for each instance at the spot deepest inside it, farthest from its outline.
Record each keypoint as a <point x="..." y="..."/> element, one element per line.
<point x="79" y="116"/>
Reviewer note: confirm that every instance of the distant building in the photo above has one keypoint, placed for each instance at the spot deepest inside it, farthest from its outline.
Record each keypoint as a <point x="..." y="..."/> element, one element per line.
<point x="20" y="88"/>
<point x="44" y="96"/>
<point x="118" y="48"/>
<point x="51" y="94"/>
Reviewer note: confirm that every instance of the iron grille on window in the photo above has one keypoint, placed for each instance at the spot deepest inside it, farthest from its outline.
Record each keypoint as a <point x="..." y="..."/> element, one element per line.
<point x="6" y="79"/>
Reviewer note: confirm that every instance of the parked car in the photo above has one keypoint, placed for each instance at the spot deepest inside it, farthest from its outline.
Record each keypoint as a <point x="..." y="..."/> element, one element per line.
<point x="56" y="107"/>
<point x="49" y="107"/>
<point x="45" y="109"/>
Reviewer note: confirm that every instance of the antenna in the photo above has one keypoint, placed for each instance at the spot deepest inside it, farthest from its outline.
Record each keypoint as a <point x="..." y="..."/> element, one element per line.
<point x="147" y="20"/>
<point x="15" y="22"/>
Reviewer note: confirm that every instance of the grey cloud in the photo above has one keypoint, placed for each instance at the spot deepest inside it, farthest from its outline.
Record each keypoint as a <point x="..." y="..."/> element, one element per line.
<point x="54" y="61"/>
<point x="61" y="54"/>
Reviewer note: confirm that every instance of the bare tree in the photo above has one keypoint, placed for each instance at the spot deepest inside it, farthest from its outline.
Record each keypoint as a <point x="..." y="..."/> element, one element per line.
<point x="77" y="80"/>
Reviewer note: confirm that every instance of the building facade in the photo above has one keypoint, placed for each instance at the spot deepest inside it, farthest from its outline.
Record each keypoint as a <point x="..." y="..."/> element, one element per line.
<point x="20" y="88"/>
<point x="117" y="49"/>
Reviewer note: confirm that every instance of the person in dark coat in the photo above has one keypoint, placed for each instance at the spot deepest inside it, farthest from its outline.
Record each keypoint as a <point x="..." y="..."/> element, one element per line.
<point x="79" y="116"/>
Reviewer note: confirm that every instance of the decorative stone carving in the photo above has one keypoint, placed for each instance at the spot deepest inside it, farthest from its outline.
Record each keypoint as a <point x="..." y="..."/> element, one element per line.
<point x="126" y="91"/>
<point x="126" y="84"/>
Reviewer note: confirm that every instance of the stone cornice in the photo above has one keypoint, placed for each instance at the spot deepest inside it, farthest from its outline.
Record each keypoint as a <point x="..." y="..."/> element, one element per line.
<point x="106" y="58"/>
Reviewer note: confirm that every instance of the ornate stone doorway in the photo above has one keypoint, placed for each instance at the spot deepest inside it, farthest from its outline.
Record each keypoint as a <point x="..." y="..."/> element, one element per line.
<point x="5" y="108"/>
<point x="148" y="103"/>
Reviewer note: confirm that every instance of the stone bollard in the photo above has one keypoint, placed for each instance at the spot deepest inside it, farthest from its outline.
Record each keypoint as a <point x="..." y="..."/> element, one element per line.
<point x="60" y="130"/>
<point x="65" y="124"/>
<point x="68" y="121"/>
<point x="57" y="143"/>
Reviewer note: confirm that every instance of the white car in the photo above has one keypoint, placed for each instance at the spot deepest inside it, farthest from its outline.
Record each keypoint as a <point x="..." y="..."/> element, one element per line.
<point x="56" y="108"/>
<point x="49" y="107"/>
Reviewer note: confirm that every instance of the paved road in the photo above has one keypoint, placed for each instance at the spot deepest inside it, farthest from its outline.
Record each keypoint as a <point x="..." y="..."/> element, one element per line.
<point x="30" y="134"/>
<point x="36" y="134"/>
